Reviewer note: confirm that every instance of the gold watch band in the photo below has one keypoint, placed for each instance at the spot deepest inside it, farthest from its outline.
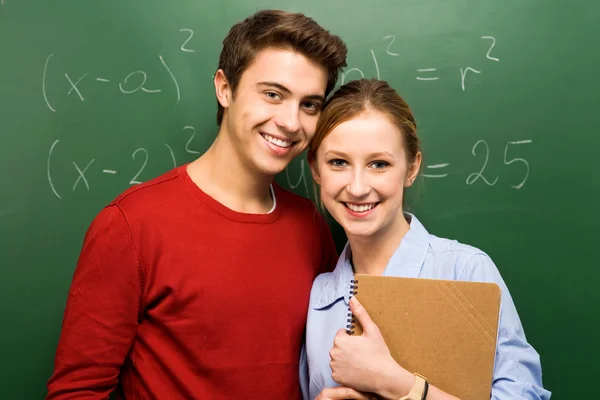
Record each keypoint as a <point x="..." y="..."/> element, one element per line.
<point x="419" y="389"/>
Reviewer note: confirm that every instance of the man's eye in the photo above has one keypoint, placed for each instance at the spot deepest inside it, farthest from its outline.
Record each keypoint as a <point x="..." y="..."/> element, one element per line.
<point x="272" y="95"/>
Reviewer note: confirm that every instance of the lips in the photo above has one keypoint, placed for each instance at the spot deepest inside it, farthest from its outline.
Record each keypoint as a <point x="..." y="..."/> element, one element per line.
<point x="277" y="141"/>
<point x="361" y="208"/>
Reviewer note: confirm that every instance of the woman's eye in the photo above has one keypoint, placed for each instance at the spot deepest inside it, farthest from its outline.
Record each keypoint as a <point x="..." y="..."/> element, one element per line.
<point x="379" y="164"/>
<point x="336" y="162"/>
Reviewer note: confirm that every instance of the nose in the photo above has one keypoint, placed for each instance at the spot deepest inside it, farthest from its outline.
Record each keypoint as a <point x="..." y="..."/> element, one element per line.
<point x="289" y="118"/>
<point x="359" y="185"/>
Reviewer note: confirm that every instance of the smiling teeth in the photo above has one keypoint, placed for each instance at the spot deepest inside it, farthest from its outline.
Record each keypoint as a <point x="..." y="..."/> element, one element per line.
<point x="277" y="142"/>
<point x="361" y="208"/>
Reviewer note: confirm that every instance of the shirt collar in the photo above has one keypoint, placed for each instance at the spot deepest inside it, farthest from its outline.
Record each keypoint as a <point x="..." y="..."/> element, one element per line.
<point x="406" y="261"/>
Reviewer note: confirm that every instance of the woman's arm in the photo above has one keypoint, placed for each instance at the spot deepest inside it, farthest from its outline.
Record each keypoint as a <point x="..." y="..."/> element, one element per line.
<point x="365" y="363"/>
<point x="517" y="370"/>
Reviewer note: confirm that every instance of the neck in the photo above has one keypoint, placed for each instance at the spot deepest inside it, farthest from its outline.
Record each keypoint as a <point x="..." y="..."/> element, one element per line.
<point x="371" y="254"/>
<point x="222" y="174"/>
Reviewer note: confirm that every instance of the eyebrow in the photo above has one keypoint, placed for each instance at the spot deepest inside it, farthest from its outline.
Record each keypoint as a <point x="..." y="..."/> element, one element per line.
<point x="284" y="89"/>
<point x="372" y="155"/>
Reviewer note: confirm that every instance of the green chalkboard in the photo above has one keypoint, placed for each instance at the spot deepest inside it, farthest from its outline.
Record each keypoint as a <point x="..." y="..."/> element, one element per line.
<point x="98" y="95"/>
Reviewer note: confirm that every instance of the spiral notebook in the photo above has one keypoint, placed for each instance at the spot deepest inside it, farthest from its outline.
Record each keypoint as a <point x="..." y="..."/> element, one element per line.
<point x="444" y="330"/>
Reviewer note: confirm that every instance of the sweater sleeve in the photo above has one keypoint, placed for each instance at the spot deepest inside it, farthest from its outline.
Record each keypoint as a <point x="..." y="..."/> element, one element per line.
<point x="101" y="315"/>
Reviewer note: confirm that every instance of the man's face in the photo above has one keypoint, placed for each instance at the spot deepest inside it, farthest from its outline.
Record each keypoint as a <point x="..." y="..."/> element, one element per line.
<point x="272" y="116"/>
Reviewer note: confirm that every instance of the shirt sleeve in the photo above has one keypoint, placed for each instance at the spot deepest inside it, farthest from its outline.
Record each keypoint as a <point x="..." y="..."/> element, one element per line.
<point x="517" y="369"/>
<point x="101" y="313"/>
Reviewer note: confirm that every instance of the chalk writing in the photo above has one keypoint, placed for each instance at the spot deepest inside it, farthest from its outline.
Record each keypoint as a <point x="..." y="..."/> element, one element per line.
<point x="301" y="178"/>
<point x="435" y="171"/>
<point x="134" y="180"/>
<point x="44" y="83"/>
<point x="187" y="145"/>
<point x="491" y="47"/>
<point x="74" y="85"/>
<point x="463" y="75"/>
<point x="471" y="179"/>
<point x="435" y="167"/>
<point x="191" y="32"/>
<point x="429" y="78"/>
<point x="517" y="159"/>
<point x="141" y="85"/>
<point x="142" y="155"/>
<point x="133" y="82"/>
<point x="81" y="174"/>
<point x="388" y="51"/>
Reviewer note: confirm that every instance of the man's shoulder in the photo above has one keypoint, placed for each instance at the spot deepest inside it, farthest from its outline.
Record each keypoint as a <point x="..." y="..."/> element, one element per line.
<point x="160" y="194"/>
<point x="152" y="189"/>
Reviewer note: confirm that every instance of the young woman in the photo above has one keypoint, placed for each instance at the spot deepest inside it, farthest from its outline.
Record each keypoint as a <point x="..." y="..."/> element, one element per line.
<point x="364" y="154"/>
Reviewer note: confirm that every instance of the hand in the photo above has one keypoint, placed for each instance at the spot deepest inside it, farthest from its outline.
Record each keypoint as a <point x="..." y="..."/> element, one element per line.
<point x="364" y="362"/>
<point x="341" y="393"/>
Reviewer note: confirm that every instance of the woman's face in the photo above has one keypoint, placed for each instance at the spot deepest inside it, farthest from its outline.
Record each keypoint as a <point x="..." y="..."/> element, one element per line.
<point x="362" y="168"/>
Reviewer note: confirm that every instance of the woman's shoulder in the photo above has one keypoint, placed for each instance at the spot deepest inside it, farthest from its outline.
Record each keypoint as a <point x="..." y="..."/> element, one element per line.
<point x="444" y="250"/>
<point x="470" y="263"/>
<point x="444" y="245"/>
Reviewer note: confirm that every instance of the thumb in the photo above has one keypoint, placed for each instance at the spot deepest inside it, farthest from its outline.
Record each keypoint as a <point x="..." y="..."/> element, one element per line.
<point x="362" y="316"/>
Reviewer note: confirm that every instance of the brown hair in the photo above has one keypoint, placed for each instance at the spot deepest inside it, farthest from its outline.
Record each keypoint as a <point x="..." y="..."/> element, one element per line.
<point x="279" y="29"/>
<point x="359" y="97"/>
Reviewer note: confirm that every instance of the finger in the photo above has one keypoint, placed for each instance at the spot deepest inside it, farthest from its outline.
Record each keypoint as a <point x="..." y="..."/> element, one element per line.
<point x="342" y="393"/>
<point x="340" y="333"/>
<point x="362" y="316"/>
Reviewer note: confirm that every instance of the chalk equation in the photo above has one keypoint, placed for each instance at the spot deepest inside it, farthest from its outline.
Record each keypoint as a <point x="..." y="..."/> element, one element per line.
<point x="137" y="80"/>
<point x="481" y="150"/>
<point x="131" y="83"/>
<point x="422" y="74"/>
<point x="141" y="156"/>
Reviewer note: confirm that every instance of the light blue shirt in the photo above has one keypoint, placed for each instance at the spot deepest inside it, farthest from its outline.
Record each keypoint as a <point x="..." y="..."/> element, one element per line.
<point x="517" y="369"/>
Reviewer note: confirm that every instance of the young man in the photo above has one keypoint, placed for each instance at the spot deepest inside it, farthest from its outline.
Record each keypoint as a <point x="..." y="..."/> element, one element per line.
<point x="195" y="285"/>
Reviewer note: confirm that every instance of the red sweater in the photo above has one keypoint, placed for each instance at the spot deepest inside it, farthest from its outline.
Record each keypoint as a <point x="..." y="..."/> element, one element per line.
<point x="176" y="296"/>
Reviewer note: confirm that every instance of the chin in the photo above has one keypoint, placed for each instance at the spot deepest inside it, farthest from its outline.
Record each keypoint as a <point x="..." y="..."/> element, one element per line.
<point x="362" y="233"/>
<point x="274" y="167"/>
<point x="356" y="230"/>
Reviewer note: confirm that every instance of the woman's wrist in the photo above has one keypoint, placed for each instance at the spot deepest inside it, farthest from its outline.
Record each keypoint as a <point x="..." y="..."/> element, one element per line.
<point x="396" y="382"/>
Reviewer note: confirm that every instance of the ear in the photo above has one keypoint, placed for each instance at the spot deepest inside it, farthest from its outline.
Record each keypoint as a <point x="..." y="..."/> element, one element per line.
<point x="312" y="162"/>
<point x="413" y="170"/>
<point x="222" y="89"/>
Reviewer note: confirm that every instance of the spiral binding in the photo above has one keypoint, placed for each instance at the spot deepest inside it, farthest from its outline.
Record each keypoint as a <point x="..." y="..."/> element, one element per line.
<point x="351" y="321"/>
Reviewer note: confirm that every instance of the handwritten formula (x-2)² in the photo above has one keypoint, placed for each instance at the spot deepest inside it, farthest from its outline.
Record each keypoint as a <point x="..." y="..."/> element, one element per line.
<point x="140" y="155"/>
<point x="132" y="83"/>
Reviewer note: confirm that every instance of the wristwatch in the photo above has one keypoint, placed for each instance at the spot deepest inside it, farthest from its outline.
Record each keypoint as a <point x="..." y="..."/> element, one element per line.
<point x="419" y="389"/>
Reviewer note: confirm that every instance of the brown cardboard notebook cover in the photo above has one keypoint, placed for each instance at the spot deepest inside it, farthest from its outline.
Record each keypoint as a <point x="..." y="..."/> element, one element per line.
<point x="444" y="330"/>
